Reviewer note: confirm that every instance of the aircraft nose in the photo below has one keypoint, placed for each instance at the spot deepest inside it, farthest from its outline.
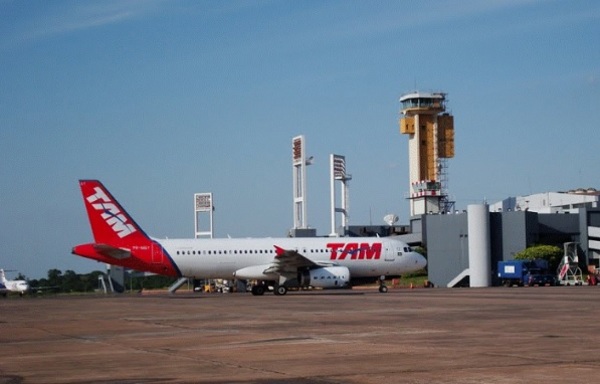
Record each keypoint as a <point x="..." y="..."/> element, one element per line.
<point x="420" y="260"/>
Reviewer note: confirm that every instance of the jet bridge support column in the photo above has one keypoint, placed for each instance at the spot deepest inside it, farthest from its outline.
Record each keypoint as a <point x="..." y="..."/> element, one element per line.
<point x="480" y="255"/>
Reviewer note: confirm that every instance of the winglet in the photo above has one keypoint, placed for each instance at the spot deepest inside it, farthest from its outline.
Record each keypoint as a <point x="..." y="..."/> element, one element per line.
<point x="279" y="251"/>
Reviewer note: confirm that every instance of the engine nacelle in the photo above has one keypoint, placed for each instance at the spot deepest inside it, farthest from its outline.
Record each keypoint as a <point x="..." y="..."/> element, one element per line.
<point x="255" y="272"/>
<point x="324" y="277"/>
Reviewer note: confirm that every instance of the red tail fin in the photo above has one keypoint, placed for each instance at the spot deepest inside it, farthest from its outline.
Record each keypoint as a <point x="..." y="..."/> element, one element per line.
<point x="118" y="238"/>
<point x="110" y="223"/>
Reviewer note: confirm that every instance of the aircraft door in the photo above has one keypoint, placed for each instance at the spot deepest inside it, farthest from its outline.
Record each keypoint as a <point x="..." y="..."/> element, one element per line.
<point x="388" y="254"/>
<point x="157" y="253"/>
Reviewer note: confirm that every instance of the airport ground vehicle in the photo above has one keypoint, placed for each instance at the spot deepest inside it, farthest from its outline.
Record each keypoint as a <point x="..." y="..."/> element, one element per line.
<point x="525" y="273"/>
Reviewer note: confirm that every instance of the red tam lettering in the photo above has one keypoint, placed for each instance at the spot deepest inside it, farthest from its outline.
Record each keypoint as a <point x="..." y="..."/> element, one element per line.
<point x="334" y="248"/>
<point x="350" y="249"/>
<point x="370" y="253"/>
<point x="354" y="251"/>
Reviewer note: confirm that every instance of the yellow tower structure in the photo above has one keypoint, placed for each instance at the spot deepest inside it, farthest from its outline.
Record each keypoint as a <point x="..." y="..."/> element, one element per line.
<point x="430" y="144"/>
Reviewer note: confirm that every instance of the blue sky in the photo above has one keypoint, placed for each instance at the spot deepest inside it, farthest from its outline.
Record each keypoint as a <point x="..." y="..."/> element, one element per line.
<point x="162" y="99"/>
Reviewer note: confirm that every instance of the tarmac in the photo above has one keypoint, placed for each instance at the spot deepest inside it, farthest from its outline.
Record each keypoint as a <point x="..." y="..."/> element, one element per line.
<point x="463" y="335"/>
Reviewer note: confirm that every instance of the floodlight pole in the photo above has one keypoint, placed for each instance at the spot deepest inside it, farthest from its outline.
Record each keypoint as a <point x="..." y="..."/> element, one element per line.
<point x="338" y="172"/>
<point x="203" y="203"/>
<point x="299" y="163"/>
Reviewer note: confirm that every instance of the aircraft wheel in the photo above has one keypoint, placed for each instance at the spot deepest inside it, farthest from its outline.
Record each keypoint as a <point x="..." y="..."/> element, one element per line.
<point x="258" y="290"/>
<point x="383" y="289"/>
<point x="280" y="290"/>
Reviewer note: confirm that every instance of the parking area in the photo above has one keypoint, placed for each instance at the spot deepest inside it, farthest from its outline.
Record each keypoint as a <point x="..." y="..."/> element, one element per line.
<point x="483" y="335"/>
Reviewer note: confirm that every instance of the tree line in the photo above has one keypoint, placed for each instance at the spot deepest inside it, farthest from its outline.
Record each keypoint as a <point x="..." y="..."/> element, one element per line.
<point x="70" y="282"/>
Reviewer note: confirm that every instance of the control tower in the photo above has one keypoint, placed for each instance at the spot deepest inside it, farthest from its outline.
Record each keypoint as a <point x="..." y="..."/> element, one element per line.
<point x="430" y="144"/>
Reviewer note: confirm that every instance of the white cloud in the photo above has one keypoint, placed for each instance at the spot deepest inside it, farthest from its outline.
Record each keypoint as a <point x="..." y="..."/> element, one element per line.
<point x="61" y="18"/>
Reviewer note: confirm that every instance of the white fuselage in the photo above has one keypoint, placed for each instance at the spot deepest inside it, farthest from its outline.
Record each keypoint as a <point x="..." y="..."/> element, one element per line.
<point x="19" y="286"/>
<point x="221" y="258"/>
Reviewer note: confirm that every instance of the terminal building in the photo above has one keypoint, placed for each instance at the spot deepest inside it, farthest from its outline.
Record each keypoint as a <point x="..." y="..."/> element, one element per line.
<point x="551" y="202"/>
<point x="446" y="238"/>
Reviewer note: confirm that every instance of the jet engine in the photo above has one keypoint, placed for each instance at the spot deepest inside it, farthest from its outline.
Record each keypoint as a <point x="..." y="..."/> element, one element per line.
<point x="324" y="277"/>
<point x="255" y="272"/>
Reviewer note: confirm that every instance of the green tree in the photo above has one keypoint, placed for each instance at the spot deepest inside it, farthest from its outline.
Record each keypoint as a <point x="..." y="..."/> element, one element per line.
<point x="71" y="282"/>
<point x="90" y="281"/>
<point x="55" y="277"/>
<point x="149" y="282"/>
<point x="551" y="253"/>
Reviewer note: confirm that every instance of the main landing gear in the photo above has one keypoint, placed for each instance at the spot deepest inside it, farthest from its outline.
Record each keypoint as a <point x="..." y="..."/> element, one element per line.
<point x="382" y="287"/>
<point x="280" y="290"/>
<point x="260" y="289"/>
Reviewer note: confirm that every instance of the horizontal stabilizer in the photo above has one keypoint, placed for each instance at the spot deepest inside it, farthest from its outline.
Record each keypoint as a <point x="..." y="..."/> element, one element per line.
<point x="110" y="251"/>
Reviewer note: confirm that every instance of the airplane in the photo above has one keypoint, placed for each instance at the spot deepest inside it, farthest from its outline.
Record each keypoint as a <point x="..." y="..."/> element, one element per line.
<point x="273" y="263"/>
<point x="6" y="286"/>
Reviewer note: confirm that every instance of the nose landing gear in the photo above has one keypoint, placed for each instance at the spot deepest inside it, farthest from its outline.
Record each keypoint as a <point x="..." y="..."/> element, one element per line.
<point x="382" y="287"/>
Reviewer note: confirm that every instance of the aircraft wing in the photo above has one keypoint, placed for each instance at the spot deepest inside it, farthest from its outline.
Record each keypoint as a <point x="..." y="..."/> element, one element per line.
<point x="114" y="252"/>
<point x="288" y="261"/>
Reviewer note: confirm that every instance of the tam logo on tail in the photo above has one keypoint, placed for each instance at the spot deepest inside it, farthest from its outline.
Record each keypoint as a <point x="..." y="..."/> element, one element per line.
<point x="110" y="213"/>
